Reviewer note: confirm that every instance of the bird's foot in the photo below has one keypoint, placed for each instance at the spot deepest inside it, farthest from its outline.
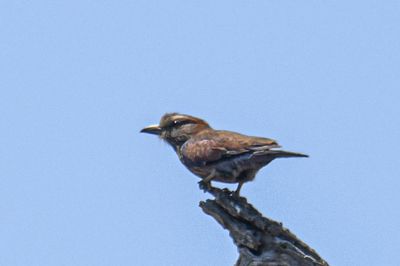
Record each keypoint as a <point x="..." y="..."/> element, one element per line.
<point x="205" y="186"/>
<point x="235" y="194"/>
<point x="227" y="191"/>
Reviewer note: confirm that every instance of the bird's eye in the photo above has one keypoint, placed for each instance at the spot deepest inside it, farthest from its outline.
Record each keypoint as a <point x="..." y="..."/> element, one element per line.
<point x="180" y="122"/>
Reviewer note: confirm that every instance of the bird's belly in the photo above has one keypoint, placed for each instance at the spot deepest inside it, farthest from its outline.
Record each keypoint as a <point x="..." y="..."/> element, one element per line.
<point x="200" y="171"/>
<point x="218" y="175"/>
<point x="232" y="170"/>
<point x="235" y="170"/>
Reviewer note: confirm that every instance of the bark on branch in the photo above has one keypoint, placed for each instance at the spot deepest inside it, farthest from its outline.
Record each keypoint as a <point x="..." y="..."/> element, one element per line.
<point x="260" y="240"/>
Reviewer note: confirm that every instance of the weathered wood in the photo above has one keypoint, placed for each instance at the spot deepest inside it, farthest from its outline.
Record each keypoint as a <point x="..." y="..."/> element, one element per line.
<point x="260" y="240"/>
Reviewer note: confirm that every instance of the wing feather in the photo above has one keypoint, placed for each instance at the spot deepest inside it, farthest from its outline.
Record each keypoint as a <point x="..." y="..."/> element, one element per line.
<point x="219" y="145"/>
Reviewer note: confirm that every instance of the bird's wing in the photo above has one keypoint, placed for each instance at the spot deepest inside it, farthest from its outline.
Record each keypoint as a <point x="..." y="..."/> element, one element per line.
<point x="223" y="144"/>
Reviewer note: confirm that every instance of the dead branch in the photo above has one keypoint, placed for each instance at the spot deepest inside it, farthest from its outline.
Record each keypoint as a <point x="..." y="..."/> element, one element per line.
<point x="260" y="240"/>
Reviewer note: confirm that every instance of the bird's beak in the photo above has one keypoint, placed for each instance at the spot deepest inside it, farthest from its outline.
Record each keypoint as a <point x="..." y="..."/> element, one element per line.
<point x="153" y="129"/>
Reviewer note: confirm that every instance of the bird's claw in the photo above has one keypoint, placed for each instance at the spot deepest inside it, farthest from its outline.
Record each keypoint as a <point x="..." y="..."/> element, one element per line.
<point x="205" y="186"/>
<point x="235" y="194"/>
<point x="227" y="191"/>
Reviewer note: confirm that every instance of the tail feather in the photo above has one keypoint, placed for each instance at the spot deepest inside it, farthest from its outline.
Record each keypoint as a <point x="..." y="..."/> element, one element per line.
<point x="281" y="154"/>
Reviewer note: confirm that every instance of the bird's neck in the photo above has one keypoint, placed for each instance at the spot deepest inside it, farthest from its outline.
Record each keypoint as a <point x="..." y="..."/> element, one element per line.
<point x="177" y="142"/>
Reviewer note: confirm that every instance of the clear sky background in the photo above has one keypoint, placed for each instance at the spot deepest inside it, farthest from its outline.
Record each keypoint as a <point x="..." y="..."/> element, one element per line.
<point x="79" y="185"/>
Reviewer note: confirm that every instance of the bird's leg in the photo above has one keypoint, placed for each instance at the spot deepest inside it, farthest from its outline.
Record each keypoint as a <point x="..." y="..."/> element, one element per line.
<point x="205" y="184"/>
<point x="237" y="191"/>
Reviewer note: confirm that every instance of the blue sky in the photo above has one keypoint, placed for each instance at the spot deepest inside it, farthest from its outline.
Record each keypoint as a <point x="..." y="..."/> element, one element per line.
<point x="80" y="186"/>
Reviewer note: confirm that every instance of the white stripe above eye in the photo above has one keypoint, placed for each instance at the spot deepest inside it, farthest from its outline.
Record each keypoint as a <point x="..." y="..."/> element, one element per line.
<point x="180" y="117"/>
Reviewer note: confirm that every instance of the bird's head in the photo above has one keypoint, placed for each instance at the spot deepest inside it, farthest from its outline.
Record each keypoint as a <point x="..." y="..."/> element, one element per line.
<point x="176" y="128"/>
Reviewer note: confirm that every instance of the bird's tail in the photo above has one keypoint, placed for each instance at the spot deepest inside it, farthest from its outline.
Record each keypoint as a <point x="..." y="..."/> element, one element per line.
<point x="283" y="154"/>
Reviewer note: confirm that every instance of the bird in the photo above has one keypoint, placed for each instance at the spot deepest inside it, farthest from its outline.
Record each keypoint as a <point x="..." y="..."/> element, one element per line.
<point x="216" y="155"/>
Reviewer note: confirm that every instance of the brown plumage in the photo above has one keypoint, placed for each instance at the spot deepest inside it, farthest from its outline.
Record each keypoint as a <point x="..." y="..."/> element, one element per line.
<point x="218" y="155"/>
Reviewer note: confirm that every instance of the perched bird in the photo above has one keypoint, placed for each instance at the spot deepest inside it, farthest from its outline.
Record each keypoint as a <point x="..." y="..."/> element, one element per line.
<point x="218" y="155"/>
